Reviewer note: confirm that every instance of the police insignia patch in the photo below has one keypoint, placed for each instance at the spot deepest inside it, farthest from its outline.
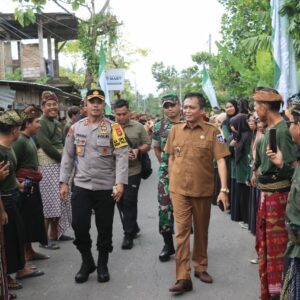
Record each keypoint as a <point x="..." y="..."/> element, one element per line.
<point x="118" y="136"/>
<point x="220" y="138"/>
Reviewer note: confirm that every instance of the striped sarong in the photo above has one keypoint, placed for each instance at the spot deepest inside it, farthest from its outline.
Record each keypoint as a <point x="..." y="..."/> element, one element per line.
<point x="271" y="242"/>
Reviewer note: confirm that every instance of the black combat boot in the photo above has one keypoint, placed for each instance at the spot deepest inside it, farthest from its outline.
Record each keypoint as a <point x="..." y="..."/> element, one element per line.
<point x="168" y="248"/>
<point x="87" y="267"/>
<point x="103" y="274"/>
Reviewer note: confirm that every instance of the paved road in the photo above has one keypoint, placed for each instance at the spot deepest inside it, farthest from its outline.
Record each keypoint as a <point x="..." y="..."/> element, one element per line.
<point x="138" y="275"/>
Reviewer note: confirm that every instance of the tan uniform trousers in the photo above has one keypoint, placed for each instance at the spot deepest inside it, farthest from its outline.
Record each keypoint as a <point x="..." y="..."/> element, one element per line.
<point x="185" y="209"/>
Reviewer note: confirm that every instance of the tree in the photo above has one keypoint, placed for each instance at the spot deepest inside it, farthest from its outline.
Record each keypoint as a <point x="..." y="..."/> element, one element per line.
<point x="291" y="8"/>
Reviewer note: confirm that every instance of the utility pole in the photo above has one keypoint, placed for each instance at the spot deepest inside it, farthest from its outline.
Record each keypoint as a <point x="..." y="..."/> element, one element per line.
<point x="209" y="43"/>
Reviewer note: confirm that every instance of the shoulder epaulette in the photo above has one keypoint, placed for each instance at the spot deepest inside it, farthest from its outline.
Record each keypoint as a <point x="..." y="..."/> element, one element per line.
<point x="210" y="124"/>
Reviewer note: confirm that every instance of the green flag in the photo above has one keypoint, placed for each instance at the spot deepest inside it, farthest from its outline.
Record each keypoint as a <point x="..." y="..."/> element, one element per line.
<point x="283" y="53"/>
<point x="208" y="88"/>
<point x="102" y="79"/>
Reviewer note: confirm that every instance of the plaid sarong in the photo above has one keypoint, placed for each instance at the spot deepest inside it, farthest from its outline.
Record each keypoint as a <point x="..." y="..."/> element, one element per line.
<point x="271" y="241"/>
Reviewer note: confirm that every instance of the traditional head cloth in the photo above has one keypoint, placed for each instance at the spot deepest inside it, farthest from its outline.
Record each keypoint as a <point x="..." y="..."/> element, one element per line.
<point x="47" y="96"/>
<point x="295" y="105"/>
<point x="244" y="134"/>
<point x="31" y="112"/>
<point x="262" y="94"/>
<point x="11" y="118"/>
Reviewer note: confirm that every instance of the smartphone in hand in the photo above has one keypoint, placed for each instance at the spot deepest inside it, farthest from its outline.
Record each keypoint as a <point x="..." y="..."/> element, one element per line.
<point x="272" y="140"/>
<point x="221" y="205"/>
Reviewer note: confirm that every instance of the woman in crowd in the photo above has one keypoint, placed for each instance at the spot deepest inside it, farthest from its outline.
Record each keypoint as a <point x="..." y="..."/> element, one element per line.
<point x="231" y="109"/>
<point x="50" y="141"/>
<point x="241" y="142"/>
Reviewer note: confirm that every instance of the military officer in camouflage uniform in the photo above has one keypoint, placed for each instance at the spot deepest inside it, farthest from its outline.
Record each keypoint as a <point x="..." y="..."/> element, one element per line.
<point x="97" y="148"/>
<point x="171" y="107"/>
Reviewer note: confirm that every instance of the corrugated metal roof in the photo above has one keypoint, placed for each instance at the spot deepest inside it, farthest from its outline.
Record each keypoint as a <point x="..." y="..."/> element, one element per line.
<point x="13" y="84"/>
<point x="7" y="96"/>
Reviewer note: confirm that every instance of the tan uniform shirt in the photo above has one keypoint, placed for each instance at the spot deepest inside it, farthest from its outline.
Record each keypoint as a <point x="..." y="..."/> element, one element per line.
<point x="99" y="154"/>
<point x="194" y="150"/>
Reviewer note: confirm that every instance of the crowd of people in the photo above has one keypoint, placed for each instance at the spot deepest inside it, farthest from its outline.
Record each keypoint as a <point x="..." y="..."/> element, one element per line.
<point x="54" y="176"/>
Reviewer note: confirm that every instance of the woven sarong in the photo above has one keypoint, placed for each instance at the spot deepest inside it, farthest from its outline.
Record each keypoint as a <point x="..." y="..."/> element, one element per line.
<point x="53" y="206"/>
<point x="291" y="284"/>
<point x="271" y="241"/>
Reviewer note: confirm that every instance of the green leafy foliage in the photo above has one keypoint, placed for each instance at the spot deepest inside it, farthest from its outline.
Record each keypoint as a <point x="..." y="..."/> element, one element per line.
<point x="14" y="75"/>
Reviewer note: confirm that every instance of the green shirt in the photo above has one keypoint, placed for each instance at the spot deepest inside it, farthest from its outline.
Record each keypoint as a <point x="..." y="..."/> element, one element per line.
<point x="137" y="135"/>
<point x="66" y="129"/>
<point x="242" y="168"/>
<point x="26" y="153"/>
<point x="50" y="138"/>
<point x="10" y="182"/>
<point x="293" y="212"/>
<point x="284" y="143"/>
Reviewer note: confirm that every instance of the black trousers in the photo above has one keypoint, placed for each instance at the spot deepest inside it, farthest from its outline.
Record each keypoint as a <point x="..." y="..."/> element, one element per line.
<point x="128" y="205"/>
<point x="83" y="201"/>
<point x="13" y="233"/>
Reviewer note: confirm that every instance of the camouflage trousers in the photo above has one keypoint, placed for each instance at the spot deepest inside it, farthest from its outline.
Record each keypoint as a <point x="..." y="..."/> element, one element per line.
<point x="165" y="208"/>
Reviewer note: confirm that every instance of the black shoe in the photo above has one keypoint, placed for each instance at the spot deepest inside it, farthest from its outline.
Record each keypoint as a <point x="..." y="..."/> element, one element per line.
<point x="168" y="248"/>
<point x="127" y="243"/>
<point x="87" y="267"/>
<point x="103" y="274"/>
<point x="165" y="253"/>
<point x="102" y="270"/>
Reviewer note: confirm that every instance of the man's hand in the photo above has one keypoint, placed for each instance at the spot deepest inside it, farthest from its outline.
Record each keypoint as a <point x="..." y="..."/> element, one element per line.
<point x="133" y="154"/>
<point x="64" y="191"/>
<point x="233" y="143"/>
<point x="4" y="170"/>
<point x="3" y="217"/>
<point x="118" y="191"/>
<point x="223" y="197"/>
<point x="21" y="186"/>
<point x="275" y="158"/>
<point x="253" y="178"/>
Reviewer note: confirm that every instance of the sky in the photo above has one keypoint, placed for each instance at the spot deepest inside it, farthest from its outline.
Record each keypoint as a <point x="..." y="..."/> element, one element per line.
<point x="172" y="30"/>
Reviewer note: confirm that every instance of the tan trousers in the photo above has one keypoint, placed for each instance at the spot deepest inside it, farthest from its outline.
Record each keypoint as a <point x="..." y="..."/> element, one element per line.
<point x="186" y="209"/>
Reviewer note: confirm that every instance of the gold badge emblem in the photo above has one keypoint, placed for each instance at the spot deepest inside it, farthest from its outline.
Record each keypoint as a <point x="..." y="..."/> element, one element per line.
<point x="202" y="137"/>
<point x="96" y="93"/>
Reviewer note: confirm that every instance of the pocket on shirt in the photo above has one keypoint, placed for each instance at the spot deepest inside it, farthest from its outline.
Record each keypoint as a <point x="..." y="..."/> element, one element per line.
<point x="201" y="148"/>
<point x="178" y="150"/>
<point x="80" y="144"/>
<point x="104" y="147"/>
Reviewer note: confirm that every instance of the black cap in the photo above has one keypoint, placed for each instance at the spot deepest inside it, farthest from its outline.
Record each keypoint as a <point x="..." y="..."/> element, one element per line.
<point x="95" y="93"/>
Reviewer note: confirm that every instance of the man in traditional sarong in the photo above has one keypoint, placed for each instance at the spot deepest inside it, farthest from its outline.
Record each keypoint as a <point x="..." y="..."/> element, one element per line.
<point x="98" y="149"/>
<point x="30" y="201"/>
<point x="274" y="183"/>
<point x="57" y="213"/>
<point x="171" y="107"/>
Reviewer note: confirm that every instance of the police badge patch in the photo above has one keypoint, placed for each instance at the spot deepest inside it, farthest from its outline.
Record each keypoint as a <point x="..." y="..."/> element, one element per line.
<point x="220" y="138"/>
